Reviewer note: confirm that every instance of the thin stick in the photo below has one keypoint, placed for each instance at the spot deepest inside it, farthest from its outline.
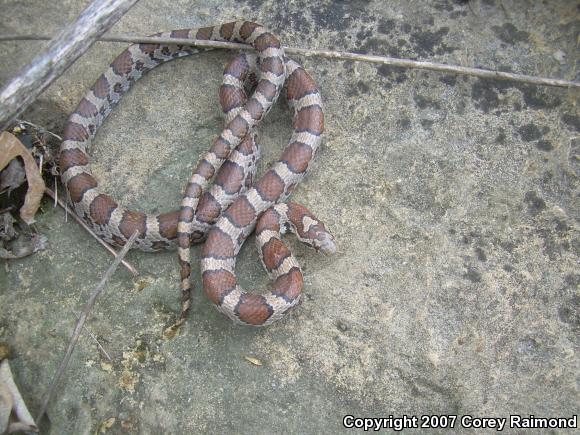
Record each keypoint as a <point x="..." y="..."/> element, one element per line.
<point x="79" y="326"/>
<point x="55" y="193"/>
<point x="66" y="209"/>
<point x="102" y="349"/>
<point x="39" y="128"/>
<point x="66" y="47"/>
<point x="439" y="67"/>
<point x="128" y="265"/>
<point x="330" y="54"/>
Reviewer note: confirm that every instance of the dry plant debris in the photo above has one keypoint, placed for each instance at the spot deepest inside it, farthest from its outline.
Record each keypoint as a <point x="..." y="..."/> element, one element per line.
<point x="13" y="173"/>
<point x="14" y="415"/>
<point x="11" y="148"/>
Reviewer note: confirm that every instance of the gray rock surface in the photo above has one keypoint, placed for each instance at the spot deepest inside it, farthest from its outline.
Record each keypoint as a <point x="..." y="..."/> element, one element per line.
<point x="454" y="201"/>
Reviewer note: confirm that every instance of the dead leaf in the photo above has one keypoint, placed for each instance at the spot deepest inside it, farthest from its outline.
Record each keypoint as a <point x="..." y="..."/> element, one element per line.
<point x="171" y="331"/>
<point x="6" y="404"/>
<point x="14" y="415"/>
<point x="142" y="283"/>
<point x="108" y="367"/>
<point x="24" y="246"/>
<point x="7" y="231"/>
<point x="10" y="148"/>
<point x="254" y="361"/>
<point x="5" y="351"/>
<point x="12" y="176"/>
<point x="13" y="245"/>
<point x="128" y="426"/>
<point x="106" y="425"/>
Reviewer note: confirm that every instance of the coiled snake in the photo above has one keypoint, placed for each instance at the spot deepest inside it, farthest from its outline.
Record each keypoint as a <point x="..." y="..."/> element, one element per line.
<point x="225" y="213"/>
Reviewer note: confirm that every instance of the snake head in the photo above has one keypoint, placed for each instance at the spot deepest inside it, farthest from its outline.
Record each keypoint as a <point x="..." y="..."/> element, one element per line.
<point x="325" y="243"/>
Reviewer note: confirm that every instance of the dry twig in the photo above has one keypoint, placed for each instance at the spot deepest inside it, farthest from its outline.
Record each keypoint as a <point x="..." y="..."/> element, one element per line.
<point x="58" y="55"/>
<point x="80" y="323"/>
<point x="331" y="54"/>
<point x="94" y="337"/>
<point x="128" y="265"/>
<point x="39" y="128"/>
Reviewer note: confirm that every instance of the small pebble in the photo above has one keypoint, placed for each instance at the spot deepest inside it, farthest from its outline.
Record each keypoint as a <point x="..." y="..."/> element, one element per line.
<point x="560" y="56"/>
<point x="342" y="326"/>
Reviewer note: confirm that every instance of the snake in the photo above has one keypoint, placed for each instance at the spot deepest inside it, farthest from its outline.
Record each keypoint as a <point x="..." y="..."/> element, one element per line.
<point x="223" y="203"/>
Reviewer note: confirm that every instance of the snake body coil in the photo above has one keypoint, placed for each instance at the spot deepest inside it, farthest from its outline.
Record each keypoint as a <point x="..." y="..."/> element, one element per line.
<point x="227" y="211"/>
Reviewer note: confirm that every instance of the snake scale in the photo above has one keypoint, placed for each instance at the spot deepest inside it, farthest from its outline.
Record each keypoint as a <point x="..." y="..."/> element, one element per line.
<point x="226" y="212"/>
